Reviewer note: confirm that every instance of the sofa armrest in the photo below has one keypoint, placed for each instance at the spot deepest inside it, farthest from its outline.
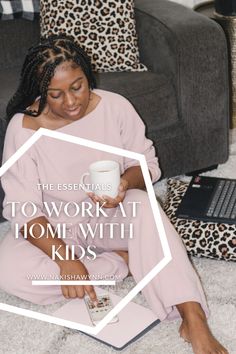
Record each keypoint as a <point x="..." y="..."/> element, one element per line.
<point x="192" y="50"/>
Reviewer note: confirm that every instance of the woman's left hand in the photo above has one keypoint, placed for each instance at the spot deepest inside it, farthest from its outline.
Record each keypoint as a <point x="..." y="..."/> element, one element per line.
<point x="111" y="202"/>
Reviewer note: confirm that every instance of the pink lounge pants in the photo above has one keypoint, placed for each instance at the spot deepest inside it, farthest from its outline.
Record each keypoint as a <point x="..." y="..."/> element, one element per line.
<point x="175" y="284"/>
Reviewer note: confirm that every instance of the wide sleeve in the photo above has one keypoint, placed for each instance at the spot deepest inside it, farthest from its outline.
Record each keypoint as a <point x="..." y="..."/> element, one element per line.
<point x="132" y="130"/>
<point x="23" y="200"/>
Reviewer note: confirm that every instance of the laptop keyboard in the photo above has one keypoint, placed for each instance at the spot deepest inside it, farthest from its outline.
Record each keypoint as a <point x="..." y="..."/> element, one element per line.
<point x="223" y="204"/>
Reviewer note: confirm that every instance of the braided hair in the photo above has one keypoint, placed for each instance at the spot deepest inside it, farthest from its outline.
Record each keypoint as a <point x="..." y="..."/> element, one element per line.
<point x="38" y="70"/>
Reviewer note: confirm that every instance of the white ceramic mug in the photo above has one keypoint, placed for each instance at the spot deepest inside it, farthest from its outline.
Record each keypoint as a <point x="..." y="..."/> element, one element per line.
<point x="104" y="178"/>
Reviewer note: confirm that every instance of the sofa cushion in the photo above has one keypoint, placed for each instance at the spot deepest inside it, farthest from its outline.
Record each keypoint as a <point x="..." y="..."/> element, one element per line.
<point x="149" y="93"/>
<point x="10" y="77"/>
<point x="17" y="36"/>
<point x="152" y="94"/>
<point x="105" y="29"/>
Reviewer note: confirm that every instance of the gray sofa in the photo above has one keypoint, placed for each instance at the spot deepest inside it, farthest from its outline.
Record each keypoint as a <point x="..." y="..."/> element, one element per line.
<point x="183" y="98"/>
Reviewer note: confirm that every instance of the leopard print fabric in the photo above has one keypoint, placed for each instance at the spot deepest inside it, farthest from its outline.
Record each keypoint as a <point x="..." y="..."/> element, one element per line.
<point x="105" y="29"/>
<point x="201" y="239"/>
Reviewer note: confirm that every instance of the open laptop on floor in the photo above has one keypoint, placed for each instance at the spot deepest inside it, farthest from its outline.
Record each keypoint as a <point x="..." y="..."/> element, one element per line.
<point x="209" y="199"/>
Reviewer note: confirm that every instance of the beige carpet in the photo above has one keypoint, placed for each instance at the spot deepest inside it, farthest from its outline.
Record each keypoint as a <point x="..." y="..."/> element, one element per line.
<point x="19" y="335"/>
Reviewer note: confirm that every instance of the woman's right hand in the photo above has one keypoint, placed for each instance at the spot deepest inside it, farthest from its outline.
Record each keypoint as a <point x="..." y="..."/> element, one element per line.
<point x="70" y="268"/>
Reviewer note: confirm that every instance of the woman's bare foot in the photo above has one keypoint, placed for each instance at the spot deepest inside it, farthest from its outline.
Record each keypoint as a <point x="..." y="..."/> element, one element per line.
<point x="194" y="329"/>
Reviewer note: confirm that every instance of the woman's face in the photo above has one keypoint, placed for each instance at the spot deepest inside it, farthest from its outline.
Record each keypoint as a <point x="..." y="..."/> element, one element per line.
<point x="68" y="92"/>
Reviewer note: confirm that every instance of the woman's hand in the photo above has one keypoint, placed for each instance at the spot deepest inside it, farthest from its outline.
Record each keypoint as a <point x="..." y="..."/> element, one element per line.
<point x="111" y="202"/>
<point x="75" y="268"/>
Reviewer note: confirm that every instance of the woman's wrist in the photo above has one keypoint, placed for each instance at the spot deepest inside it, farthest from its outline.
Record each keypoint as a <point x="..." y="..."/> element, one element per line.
<point x="63" y="255"/>
<point x="134" y="178"/>
<point x="65" y="262"/>
<point x="59" y="262"/>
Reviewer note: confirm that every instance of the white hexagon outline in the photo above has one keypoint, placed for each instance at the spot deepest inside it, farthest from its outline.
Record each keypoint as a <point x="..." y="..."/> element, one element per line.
<point x="156" y="213"/>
